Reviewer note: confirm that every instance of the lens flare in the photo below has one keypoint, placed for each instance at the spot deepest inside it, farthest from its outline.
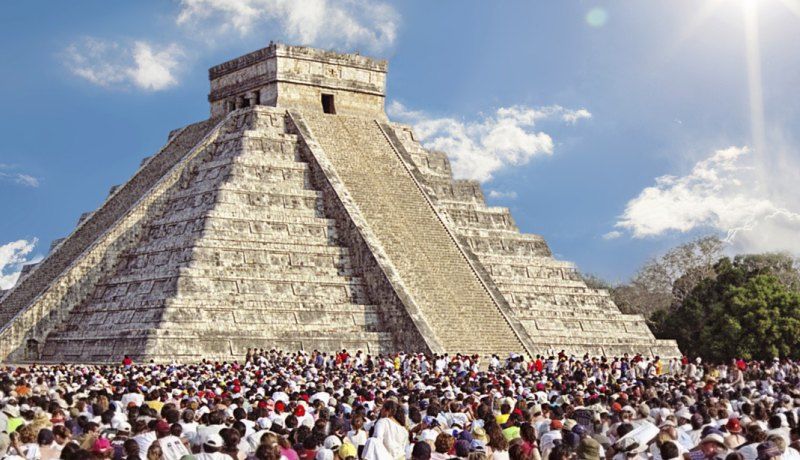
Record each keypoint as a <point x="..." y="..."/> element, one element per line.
<point x="597" y="17"/>
<point x="755" y="88"/>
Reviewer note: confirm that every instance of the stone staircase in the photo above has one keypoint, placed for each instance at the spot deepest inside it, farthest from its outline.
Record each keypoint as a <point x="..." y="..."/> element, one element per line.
<point x="435" y="272"/>
<point x="242" y="256"/>
<point x="546" y="295"/>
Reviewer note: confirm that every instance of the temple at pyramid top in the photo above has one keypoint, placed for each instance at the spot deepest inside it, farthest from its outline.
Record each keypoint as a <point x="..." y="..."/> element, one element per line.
<point x="302" y="78"/>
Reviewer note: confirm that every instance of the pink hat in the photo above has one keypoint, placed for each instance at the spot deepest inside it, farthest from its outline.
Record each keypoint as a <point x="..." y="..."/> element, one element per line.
<point x="101" y="445"/>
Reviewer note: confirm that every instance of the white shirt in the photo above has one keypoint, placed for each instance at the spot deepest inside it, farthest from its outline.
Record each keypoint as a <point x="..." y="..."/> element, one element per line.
<point x="137" y="398"/>
<point x="357" y="438"/>
<point x="212" y="456"/>
<point x="172" y="448"/>
<point x="393" y="436"/>
<point x="144" y="440"/>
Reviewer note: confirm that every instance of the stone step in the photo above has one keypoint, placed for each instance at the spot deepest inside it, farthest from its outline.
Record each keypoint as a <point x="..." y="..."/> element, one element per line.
<point x="481" y="245"/>
<point x="210" y="242"/>
<point x="567" y="313"/>
<point x="472" y="206"/>
<point x="222" y="192"/>
<point x="271" y="267"/>
<point x="231" y="213"/>
<point x="266" y="259"/>
<point x="275" y="228"/>
<point x="545" y="285"/>
<point x="209" y="321"/>
<point x="266" y="230"/>
<point x="170" y="349"/>
<point x="252" y="305"/>
<point x="239" y="162"/>
<point x="432" y="266"/>
<point x="526" y="261"/>
<point x="330" y="289"/>
<point x="535" y="275"/>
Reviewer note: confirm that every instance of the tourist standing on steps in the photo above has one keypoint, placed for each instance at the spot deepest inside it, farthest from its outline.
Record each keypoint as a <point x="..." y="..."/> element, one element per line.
<point x="390" y="430"/>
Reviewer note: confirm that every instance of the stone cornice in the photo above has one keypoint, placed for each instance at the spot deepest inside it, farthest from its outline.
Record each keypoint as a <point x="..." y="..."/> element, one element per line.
<point x="263" y="80"/>
<point x="300" y="53"/>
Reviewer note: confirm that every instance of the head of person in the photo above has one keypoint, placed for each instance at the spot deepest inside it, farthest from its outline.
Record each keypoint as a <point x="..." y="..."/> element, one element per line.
<point x="588" y="449"/>
<point x="518" y="452"/>
<point x="462" y="448"/>
<point x="768" y="451"/>
<point x="421" y="451"/>
<point x="713" y="445"/>
<point x="560" y="452"/>
<point x="266" y="452"/>
<point x="102" y="449"/>
<point x="444" y="443"/>
<point x="45" y="437"/>
<point x="347" y="452"/>
<point x="669" y="451"/>
<point x="131" y="449"/>
<point x="154" y="452"/>
<point x="213" y="443"/>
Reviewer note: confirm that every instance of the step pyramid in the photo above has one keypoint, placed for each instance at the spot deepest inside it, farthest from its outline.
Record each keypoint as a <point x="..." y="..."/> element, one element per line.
<point x="299" y="217"/>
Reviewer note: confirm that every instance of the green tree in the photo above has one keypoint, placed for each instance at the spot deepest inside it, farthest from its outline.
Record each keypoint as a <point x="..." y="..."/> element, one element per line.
<point x="743" y="310"/>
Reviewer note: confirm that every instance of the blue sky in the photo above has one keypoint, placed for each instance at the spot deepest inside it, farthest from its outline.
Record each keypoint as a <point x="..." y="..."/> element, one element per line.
<point x="614" y="129"/>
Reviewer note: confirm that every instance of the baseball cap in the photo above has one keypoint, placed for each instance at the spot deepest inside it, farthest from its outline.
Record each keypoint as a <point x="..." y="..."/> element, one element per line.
<point x="347" y="450"/>
<point x="162" y="427"/>
<point x="332" y="442"/>
<point x="214" y="440"/>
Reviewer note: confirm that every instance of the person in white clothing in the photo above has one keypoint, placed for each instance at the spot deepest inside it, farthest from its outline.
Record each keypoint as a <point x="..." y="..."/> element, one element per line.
<point x="172" y="447"/>
<point x="390" y="430"/>
<point x="211" y="449"/>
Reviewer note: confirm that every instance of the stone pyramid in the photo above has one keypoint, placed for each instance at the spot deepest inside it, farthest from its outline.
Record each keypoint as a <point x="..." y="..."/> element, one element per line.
<point x="299" y="217"/>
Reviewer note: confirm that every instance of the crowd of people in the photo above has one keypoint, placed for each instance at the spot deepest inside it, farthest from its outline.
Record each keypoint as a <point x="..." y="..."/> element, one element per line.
<point x="276" y="405"/>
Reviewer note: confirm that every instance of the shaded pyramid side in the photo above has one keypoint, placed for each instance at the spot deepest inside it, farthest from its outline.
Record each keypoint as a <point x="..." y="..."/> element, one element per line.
<point x="242" y="255"/>
<point x="546" y="295"/>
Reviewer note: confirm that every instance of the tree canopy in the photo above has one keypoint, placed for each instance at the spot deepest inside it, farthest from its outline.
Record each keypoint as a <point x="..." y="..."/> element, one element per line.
<point x="744" y="310"/>
<point x="714" y="306"/>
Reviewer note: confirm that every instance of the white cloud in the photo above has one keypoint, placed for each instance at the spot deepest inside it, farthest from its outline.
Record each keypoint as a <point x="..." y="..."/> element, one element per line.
<point x="501" y="195"/>
<point x="13" y="256"/>
<point x="734" y="192"/>
<point x="7" y="173"/>
<point x="368" y="23"/>
<point x="612" y="235"/>
<point x="572" y="116"/>
<point x="140" y="64"/>
<point x="478" y="149"/>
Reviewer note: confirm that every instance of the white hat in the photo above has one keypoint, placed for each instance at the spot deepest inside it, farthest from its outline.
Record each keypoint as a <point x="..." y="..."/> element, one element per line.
<point x="124" y="426"/>
<point x="429" y="435"/>
<point x="214" y="440"/>
<point x="12" y="411"/>
<point x="333" y="442"/>
<point x="713" y="437"/>
<point x="264" y="423"/>
<point x="324" y="454"/>
<point x="629" y="409"/>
